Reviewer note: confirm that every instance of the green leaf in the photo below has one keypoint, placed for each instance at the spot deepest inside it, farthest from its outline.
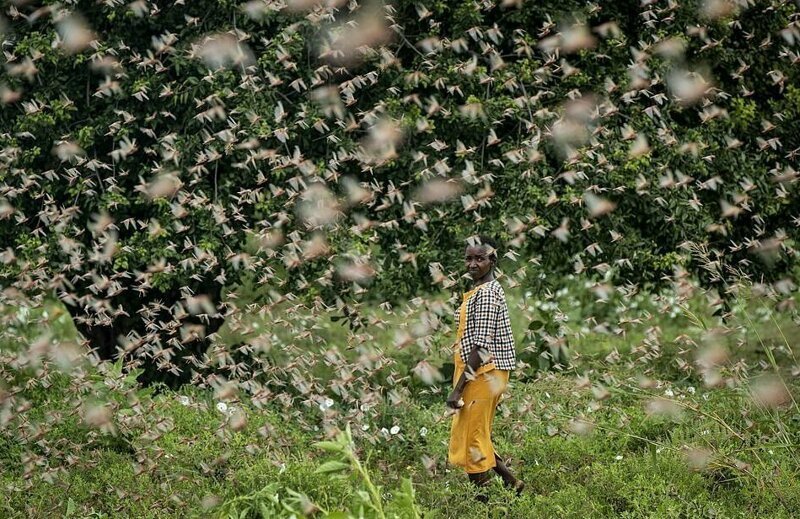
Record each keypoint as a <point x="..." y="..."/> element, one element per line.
<point x="535" y="325"/>
<point x="265" y="512"/>
<point x="329" y="446"/>
<point x="332" y="466"/>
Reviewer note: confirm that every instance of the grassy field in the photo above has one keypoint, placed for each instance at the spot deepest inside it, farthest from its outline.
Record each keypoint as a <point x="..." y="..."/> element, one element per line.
<point x="633" y="428"/>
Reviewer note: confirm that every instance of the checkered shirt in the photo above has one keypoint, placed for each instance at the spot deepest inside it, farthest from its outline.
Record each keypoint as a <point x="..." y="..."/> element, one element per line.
<point x="488" y="326"/>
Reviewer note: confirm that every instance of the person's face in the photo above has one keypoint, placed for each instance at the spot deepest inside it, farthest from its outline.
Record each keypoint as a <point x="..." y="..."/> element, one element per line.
<point x="477" y="261"/>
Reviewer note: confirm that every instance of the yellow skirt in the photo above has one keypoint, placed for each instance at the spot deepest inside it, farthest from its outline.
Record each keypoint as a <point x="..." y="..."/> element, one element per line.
<point x="471" y="433"/>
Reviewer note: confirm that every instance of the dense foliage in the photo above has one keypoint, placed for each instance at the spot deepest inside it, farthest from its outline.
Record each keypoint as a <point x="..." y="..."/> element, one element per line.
<point x="205" y="191"/>
<point x="154" y="154"/>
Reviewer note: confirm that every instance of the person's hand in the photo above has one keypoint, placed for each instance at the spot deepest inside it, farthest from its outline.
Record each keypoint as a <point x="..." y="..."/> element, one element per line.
<point x="454" y="401"/>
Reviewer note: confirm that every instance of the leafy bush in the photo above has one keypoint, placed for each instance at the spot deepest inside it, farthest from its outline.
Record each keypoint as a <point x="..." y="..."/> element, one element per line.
<point x="172" y="166"/>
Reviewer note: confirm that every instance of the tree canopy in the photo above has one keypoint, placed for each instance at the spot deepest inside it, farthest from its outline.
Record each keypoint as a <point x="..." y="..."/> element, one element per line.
<point x="155" y="156"/>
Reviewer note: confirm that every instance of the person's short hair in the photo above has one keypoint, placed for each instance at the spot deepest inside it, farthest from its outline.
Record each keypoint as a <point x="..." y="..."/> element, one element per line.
<point x="483" y="239"/>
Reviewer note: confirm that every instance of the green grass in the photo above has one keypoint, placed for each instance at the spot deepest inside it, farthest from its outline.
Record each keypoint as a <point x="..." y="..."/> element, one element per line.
<point x="177" y="455"/>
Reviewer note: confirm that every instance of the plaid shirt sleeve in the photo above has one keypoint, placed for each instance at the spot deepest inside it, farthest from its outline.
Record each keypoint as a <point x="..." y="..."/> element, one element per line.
<point x="482" y="318"/>
<point x="504" y="352"/>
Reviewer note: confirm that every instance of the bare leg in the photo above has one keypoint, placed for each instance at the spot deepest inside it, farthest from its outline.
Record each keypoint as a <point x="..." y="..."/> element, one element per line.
<point x="508" y="478"/>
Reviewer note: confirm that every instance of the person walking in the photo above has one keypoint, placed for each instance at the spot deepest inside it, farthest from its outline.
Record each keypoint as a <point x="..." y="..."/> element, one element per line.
<point x="484" y="357"/>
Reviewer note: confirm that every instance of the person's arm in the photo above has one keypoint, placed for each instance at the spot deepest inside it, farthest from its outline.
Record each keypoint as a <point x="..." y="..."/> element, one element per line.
<point x="473" y="363"/>
<point x="480" y="327"/>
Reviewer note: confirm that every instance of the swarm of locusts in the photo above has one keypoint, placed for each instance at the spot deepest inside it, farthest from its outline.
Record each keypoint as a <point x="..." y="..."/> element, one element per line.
<point x="132" y="249"/>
